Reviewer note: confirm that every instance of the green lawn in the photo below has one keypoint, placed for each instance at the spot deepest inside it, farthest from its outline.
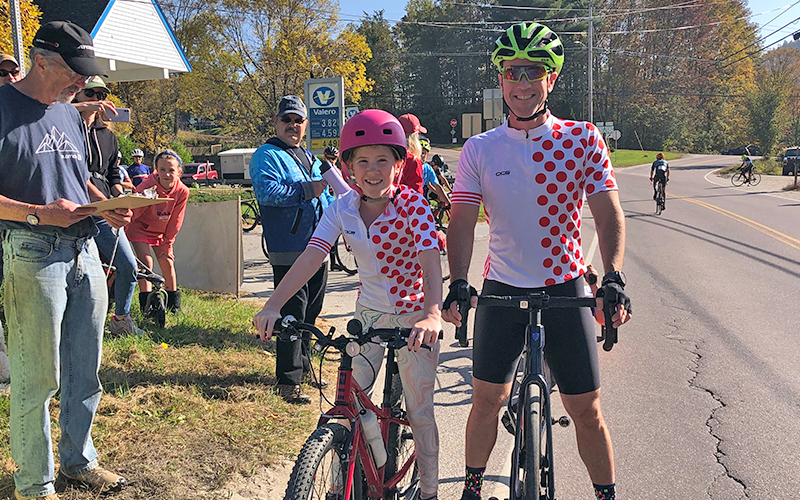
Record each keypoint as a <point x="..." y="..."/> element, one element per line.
<point x="629" y="157"/>
<point x="188" y="407"/>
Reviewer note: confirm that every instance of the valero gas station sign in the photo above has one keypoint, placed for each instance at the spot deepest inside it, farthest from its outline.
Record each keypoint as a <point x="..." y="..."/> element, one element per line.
<point x="325" y="102"/>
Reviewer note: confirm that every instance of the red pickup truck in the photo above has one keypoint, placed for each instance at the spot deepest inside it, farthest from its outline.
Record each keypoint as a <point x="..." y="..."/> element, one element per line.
<point x="197" y="172"/>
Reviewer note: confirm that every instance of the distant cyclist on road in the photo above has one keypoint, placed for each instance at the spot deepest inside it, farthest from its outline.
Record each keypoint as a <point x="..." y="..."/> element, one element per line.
<point x="746" y="168"/>
<point x="532" y="174"/>
<point x="659" y="171"/>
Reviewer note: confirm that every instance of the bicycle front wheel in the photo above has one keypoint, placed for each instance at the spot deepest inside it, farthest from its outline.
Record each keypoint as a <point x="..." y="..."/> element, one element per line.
<point x="755" y="179"/>
<point x="531" y="460"/>
<point x="346" y="257"/>
<point x="249" y="215"/>
<point x="399" y="448"/>
<point x="319" y="472"/>
<point x="737" y="179"/>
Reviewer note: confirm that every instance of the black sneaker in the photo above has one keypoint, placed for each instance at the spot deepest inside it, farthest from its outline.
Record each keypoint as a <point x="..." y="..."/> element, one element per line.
<point x="292" y="394"/>
<point x="314" y="382"/>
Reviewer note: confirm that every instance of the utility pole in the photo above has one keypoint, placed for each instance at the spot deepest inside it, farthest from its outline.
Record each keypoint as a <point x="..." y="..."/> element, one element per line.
<point x="16" y="34"/>
<point x="589" y="69"/>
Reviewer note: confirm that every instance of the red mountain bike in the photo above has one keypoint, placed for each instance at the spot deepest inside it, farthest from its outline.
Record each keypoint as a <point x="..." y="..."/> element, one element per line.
<point x="336" y="462"/>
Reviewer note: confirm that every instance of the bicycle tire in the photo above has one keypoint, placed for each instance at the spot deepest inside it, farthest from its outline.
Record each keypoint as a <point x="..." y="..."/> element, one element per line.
<point x="737" y="179"/>
<point x="659" y="198"/>
<point x="250" y="217"/>
<point x="264" y="248"/>
<point x="319" y="471"/>
<point x="533" y="435"/>
<point x="347" y="260"/>
<point x="400" y="446"/>
<point x="755" y="180"/>
<point x="156" y="307"/>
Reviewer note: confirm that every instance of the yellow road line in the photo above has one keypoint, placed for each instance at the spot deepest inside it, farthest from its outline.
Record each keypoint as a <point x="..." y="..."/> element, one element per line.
<point x="783" y="238"/>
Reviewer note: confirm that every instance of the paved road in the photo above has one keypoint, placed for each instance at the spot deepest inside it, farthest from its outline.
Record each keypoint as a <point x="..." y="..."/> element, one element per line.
<point x="702" y="393"/>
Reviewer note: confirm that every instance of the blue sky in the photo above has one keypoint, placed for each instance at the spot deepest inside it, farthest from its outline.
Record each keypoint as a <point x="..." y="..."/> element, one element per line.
<point x="763" y="12"/>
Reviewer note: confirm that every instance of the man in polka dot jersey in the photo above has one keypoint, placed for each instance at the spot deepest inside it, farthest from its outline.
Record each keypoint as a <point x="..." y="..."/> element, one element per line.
<point x="532" y="175"/>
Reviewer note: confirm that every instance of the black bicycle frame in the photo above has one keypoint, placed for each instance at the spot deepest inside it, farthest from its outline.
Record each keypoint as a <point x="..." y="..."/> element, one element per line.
<point x="534" y="373"/>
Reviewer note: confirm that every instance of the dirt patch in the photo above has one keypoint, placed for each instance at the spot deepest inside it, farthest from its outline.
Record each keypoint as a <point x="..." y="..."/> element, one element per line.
<point x="268" y="484"/>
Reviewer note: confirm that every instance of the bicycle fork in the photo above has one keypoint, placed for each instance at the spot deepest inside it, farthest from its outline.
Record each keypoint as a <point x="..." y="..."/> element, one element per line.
<point x="534" y="376"/>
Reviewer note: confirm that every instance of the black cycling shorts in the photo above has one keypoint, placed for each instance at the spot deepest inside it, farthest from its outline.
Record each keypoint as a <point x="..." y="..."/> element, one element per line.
<point x="660" y="175"/>
<point x="570" y="339"/>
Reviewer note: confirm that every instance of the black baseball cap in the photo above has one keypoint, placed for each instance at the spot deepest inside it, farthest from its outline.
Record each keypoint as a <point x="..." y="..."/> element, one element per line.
<point x="74" y="45"/>
<point x="292" y="104"/>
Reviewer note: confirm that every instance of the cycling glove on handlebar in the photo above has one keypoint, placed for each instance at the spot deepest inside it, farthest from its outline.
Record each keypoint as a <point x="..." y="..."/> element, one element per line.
<point x="613" y="290"/>
<point x="453" y="295"/>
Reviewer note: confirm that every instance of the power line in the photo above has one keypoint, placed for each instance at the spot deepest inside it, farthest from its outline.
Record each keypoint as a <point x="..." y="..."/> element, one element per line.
<point x="763" y="37"/>
<point x="763" y="48"/>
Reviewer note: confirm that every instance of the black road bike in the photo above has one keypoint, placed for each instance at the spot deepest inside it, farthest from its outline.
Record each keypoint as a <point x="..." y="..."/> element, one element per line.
<point x="661" y="197"/>
<point x="528" y="415"/>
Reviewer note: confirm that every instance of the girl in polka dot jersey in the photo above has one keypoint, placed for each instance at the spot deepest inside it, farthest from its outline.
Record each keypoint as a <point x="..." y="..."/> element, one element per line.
<point x="392" y="234"/>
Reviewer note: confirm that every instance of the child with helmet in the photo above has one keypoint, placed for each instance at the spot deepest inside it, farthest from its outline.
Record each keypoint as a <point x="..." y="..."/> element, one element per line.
<point x="392" y="233"/>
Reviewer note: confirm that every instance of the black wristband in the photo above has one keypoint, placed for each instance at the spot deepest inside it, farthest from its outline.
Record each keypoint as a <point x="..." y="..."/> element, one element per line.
<point x="617" y="277"/>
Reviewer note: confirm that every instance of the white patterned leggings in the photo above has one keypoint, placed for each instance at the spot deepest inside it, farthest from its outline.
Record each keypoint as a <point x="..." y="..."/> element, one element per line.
<point x="418" y="374"/>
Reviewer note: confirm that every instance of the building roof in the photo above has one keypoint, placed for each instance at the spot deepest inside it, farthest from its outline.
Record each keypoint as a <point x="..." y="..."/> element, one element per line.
<point x="132" y="39"/>
<point x="233" y="152"/>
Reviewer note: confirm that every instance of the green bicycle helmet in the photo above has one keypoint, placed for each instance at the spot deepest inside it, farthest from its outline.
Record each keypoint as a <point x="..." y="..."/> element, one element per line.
<point x="425" y="143"/>
<point x="532" y="41"/>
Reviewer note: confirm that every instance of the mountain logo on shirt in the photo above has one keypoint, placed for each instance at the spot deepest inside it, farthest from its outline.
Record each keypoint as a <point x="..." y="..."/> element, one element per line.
<point x="57" y="142"/>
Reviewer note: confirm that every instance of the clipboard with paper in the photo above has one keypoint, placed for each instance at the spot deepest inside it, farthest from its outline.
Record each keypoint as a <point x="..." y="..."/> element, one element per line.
<point x="129" y="202"/>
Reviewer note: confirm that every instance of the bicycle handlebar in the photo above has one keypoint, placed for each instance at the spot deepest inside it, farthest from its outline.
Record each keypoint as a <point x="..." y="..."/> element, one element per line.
<point x="395" y="338"/>
<point x="541" y="300"/>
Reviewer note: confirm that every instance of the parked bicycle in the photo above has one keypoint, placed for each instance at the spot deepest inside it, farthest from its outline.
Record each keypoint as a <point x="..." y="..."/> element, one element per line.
<point x="741" y="178"/>
<point x="661" y="197"/>
<point x="342" y="258"/>
<point x="528" y="414"/>
<point x="336" y="461"/>
<point x="251" y="214"/>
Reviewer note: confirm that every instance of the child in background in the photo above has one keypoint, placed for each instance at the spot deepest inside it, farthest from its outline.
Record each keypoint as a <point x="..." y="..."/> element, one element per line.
<point x="157" y="225"/>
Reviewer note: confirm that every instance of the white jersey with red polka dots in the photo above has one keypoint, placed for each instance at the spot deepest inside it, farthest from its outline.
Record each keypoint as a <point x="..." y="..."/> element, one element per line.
<point x="532" y="186"/>
<point x="386" y="252"/>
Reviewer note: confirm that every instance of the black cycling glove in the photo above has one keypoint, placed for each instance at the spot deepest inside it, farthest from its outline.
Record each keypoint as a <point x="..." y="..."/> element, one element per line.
<point x="466" y="292"/>
<point x="616" y="295"/>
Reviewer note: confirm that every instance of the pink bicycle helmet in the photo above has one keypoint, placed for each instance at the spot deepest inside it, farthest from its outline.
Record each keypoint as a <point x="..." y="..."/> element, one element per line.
<point x="372" y="127"/>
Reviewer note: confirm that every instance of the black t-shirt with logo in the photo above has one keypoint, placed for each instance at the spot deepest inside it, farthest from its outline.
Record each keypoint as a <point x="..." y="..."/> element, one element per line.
<point x="42" y="157"/>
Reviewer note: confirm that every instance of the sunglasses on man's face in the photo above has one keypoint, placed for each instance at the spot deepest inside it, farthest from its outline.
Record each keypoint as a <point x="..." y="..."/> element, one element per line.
<point x="532" y="73"/>
<point x="5" y="72"/>
<point x="289" y="119"/>
<point x="91" y="93"/>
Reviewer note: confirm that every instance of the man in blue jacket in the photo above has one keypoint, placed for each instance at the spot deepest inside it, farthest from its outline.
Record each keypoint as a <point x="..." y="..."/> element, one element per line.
<point x="292" y="195"/>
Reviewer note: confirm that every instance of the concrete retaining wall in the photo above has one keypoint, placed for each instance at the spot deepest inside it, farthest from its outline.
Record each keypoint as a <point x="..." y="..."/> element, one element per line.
<point x="208" y="248"/>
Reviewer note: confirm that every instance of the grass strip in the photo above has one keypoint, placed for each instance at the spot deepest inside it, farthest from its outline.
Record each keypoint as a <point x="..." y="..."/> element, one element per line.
<point x="189" y="407"/>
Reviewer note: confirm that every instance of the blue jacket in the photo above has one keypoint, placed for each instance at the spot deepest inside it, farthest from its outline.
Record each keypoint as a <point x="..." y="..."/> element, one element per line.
<point x="289" y="210"/>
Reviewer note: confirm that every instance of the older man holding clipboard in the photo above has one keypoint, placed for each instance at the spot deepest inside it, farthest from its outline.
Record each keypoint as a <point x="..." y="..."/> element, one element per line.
<point x="55" y="290"/>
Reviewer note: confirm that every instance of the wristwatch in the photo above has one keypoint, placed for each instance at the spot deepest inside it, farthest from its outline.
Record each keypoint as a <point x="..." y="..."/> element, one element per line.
<point x="617" y="277"/>
<point x="32" y="219"/>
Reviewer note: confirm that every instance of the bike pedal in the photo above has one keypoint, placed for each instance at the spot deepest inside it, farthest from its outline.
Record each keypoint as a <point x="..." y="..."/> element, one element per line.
<point x="563" y="421"/>
<point x="507" y="423"/>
